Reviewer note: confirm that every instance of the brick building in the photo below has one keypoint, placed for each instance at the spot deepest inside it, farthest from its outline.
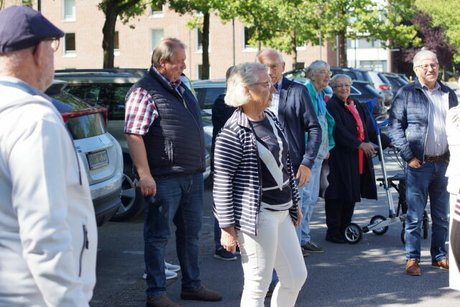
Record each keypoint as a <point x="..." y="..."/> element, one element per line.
<point x="81" y="47"/>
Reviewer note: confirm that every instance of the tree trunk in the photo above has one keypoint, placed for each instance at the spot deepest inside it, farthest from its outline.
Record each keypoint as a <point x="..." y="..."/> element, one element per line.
<point x="342" y="48"/>
<point x="108" y="32"/>
<point x="205" y="60"/>
<point x="294" y="50"/>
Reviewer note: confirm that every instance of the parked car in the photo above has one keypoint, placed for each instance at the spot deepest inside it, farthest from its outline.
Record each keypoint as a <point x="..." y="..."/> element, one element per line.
<point x="364" y="91"/>
<point x="395" y="80"/>
<point x="382" y="85"/>
<point x="99" y="151"/>
<point x="108" y="88"/>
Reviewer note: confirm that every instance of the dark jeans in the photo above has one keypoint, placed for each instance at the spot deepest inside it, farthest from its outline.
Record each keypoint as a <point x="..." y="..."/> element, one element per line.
<point x="179" y="200"/>
<point x="217" y="235"/>
<point x="427" y="180"/>
<point x="338" y="216"/>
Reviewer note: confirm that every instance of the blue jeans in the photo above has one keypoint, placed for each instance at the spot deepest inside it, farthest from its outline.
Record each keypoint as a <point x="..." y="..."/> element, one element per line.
<point x="178" y="200"/>
<point x="427" y="180"/>
<point x="309" y="197"/>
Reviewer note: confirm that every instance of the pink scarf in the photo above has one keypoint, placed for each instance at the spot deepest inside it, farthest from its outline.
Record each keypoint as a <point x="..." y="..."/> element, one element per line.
<point x="350" y="105"/>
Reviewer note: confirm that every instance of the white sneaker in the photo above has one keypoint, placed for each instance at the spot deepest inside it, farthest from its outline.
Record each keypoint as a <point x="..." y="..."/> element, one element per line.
<point x="172" y="267"/>
<point x="169" y="274"/>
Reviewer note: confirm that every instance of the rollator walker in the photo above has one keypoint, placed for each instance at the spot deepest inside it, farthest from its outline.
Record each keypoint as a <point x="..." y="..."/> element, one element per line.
<point x="378" y="223"/>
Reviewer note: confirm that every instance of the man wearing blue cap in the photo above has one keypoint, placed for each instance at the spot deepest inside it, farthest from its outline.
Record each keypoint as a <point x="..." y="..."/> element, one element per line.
<point x="48" y="230"/>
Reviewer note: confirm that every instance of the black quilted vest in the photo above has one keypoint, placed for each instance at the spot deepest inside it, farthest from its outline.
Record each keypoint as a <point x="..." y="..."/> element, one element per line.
<point x="175" y="140"/>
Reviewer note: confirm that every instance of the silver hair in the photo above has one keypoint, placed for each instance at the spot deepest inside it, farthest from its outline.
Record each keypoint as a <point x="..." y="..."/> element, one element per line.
<point x="165" y="50"/>
<point x="266" y="51"/>
<point x="242" y="75"/>
<point x="422" y="55"/>
<point x="335" y="78"/>
<point x="316" y="66"/>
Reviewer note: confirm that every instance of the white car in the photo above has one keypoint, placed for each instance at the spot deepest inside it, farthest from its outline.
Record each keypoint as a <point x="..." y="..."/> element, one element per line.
<point x="100" y="152"/>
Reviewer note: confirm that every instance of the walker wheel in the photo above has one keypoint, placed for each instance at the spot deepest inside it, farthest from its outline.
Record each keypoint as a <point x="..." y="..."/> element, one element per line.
<point x="353" y="233"/>
<point x="377" y="219"/>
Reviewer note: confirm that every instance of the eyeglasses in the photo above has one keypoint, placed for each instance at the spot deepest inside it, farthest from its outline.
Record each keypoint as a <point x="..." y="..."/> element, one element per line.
<point x="55" y="41"/>
<point x="342" y="85"/>
<point x="426" y="67"/>
<point x="54" y="44"/>
<point x="273" y="66"/>
<point x="325" y="72"/>
<point x="265" y="84"/>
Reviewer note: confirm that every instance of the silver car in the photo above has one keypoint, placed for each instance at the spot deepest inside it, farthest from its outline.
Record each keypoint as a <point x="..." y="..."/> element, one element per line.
<point x="108" y="88"/>
<point x="99" y="151"/>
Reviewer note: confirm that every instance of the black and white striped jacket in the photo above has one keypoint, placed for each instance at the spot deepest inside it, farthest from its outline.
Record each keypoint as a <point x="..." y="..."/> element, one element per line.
<point x="237" y="179"/>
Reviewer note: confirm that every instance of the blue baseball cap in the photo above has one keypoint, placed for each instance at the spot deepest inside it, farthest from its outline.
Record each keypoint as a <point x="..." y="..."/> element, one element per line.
<point x="22" y="27"/>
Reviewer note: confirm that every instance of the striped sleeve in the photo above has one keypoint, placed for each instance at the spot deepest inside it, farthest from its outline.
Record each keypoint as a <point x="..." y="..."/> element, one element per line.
<point x="227" y="157"/>
<point x="457" y="209"/>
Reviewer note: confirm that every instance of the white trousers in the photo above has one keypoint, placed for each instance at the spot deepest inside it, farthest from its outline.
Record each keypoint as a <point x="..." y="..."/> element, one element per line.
<point x="274" y="247"/>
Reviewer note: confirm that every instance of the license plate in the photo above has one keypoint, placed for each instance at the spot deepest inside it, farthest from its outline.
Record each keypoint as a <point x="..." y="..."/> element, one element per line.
<point x="97" y="159"/>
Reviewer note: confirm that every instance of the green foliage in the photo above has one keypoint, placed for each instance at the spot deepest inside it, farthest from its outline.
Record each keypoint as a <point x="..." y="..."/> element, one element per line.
<point x="445" y="13"/>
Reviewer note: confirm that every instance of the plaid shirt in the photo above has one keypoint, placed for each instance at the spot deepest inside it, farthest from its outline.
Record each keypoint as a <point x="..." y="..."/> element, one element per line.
<point x="140" y="112"/>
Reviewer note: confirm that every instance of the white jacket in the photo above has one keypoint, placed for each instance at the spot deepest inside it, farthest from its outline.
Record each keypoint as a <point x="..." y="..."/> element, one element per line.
<point x="453" y="138"/>
<point x="48" y="233"/>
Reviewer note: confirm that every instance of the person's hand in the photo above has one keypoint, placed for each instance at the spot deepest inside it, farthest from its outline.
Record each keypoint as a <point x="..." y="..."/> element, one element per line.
<point x="327" y="155"/>
<point x="299" y="217"/>
<point x="367" y="148"/>
<point x="415" y="163"/>
<point x="147" y="186"/>
<point x="303" y="175"/>
<point x="228" y="239"/>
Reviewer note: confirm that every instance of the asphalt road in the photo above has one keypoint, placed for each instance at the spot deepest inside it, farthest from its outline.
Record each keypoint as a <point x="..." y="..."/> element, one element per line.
<point x="369" y="273"/>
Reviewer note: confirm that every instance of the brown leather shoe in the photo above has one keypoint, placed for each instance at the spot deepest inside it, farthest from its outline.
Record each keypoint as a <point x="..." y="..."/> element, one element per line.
<point x="413" y="267"/>
<point x="200" y="294"/>
<point x="441" y="264"/>
<point x="160" y="301"/>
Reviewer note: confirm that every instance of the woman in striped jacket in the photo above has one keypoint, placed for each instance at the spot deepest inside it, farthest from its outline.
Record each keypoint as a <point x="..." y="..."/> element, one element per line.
<point x="255" y="194"/>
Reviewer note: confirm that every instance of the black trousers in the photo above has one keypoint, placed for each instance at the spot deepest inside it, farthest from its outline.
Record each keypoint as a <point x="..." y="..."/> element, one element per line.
<point x="338" y="216"/>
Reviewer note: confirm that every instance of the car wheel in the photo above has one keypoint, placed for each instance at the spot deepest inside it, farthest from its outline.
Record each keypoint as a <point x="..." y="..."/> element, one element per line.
<point x="131" y="204"/>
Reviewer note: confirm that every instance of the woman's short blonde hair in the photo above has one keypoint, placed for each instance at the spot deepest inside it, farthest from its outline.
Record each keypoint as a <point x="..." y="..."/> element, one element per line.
<point x="241" y="76"/>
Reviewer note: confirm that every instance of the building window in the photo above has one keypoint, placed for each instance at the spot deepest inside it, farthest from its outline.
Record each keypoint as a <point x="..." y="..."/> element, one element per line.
<point x="69" y="44"/>
<point x="69" y="9"/>
<point x="248" y="33"/>
<point x="157" y="36"/>
<point x="156" y="10"/>
<point x="377" y="65"/>
<point x="199" y="40"/>
<point x="363" y="43"/>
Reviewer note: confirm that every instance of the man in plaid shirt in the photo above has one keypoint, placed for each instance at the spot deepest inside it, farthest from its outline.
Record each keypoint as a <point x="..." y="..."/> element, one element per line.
<point x="166" y="142"/>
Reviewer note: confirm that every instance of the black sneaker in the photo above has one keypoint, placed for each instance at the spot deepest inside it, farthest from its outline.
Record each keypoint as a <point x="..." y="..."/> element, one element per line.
<point x="312" y="248"/>
<point x="222" y="254"/>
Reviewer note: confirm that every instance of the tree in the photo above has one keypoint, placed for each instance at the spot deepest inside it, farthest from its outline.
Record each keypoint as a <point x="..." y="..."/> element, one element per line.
<point x="205" y="7"/>
<point x="433" y="38"/>
<point x="286" y="24"/>
<point x="125" y="9"/>
<point x="444" y="13"/>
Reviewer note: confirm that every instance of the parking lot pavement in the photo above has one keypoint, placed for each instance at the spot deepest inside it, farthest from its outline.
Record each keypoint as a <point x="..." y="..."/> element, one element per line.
<point x="369" y="273"/>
